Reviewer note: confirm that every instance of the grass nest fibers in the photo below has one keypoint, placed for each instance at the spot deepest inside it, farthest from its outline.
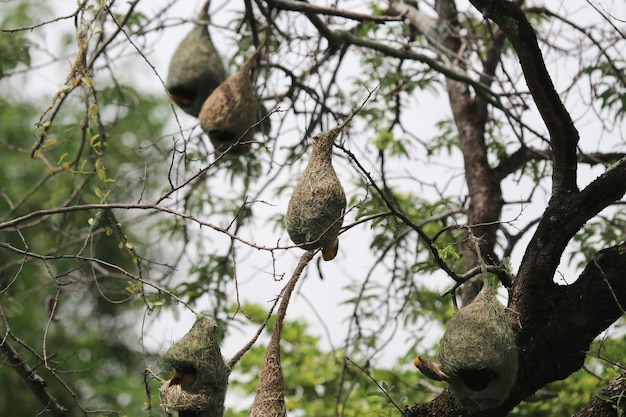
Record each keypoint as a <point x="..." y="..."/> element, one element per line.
<point x="198" y="387"/>
<point x="479" y="354"/>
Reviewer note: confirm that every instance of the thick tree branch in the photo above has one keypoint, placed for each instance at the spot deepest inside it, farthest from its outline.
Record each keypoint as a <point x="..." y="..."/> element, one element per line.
<point x="557" y="324"/>
<point x="603" y="191"/>
<point x="429" y="27"/>
<point x="554" y="328"/>
<point x="425" y="24"/>
<point x="562" y="219"/>
<point x="520" y="157"/>
<point x="563" y="134"/>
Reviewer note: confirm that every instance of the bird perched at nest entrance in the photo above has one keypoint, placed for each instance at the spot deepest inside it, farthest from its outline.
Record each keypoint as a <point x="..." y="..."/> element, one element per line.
<point x="184" y="377"/>
<point x="474" y="379"/>
<point x="430" y="369"/>
<point x="478" y="355"/>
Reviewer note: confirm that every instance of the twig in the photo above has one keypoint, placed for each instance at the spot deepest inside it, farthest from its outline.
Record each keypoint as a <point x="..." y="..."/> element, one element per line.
<point x="60" y="210"/>
<point x="375" y="382"/>
<point x="300" y="6"/>
<point x="396" y="212"/>
<point x="237" y="357"/>
<point x="44" y="23"/>
<point x="286" y="294"/>
<point x="120" y="24"/>
<point x="100" y="262"/>
<point x="36" y="383"/>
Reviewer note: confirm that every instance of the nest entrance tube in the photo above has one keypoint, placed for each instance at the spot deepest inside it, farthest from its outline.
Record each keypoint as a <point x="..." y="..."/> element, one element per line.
<point x="269" y="400"/>
<point x="198" y="386"/>
<point x="478" y="353"/>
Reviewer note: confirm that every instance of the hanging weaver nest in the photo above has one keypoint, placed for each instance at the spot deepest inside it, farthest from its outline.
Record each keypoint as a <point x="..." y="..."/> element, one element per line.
<point x="230" y="113"/>
<point x="174" y="398"/>
<point x="478" y="353"/>
<point x="198" y="387"/>
<point x="315" y="211"/>
<point x="269" y="400"/>
<point x="196" y="68"/>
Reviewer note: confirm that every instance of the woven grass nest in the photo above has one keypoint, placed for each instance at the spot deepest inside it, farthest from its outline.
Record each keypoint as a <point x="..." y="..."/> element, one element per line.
<point x="198" y="387"/>
<point x="316" y="207"/>
<point x="196" y="68"/>
<point x="479" y="354"/>
<point x="230" y="114"/>
<point x="269" y="399"/>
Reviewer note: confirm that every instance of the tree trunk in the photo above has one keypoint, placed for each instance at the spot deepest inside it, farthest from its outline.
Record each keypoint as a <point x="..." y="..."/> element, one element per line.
<point x="554" y="325"/>
<point x="470" y="116"/>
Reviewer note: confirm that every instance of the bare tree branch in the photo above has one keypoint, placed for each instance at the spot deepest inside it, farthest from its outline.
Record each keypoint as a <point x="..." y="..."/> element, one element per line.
<point x="86" y="207"/>
<point x="519" y="158"/>
<point x="563" y="134"/>
<point x="303" y="6"/>
<point x="36" y="383"/>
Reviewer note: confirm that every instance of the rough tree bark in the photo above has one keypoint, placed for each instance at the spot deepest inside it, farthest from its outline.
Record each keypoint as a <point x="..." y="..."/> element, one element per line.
<point x="554" y="324"/>
<point x="610" y="398"/>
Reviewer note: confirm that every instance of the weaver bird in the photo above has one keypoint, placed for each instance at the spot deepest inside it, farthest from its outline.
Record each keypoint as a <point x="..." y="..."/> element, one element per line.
<point x="430" y="369"/>
<point x="183" y="377"/>
<point x="330" y="251"/>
